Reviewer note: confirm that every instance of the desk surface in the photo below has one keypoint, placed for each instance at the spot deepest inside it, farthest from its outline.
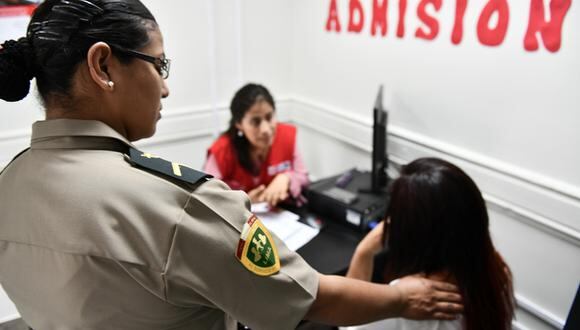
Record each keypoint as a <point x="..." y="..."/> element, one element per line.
<point x="331" y="250"/>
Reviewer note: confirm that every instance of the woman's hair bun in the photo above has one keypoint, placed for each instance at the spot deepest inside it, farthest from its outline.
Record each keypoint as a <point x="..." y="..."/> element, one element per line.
<point x="16" y="69"/>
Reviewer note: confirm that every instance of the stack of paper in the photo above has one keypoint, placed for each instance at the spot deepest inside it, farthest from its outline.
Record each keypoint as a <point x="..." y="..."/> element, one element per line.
<point x="285" y="225"/>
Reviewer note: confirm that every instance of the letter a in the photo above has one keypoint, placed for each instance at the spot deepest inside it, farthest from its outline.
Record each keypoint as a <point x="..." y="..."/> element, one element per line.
<point x="333" y="18"/>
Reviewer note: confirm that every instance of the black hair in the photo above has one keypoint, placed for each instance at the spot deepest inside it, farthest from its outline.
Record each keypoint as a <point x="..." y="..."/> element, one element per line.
<point x="243" y="100"/>
<point x="58" y="38"/>
<point x="439" y="222"/>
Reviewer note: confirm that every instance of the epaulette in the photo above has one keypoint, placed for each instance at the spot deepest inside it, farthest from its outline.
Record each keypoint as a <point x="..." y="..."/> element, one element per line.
<point x="172" y="169"/>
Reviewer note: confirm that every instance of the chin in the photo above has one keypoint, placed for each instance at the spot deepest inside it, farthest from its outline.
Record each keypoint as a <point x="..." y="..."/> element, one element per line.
<point x="143" y="135"/>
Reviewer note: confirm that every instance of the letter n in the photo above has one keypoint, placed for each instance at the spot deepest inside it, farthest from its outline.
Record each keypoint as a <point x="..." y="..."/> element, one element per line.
<point x="551" y="31"/>
<point x="333" y="19"/>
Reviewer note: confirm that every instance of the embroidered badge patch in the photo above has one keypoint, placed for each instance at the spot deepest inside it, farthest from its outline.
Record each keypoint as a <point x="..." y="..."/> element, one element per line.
<point x="256" y="249"/>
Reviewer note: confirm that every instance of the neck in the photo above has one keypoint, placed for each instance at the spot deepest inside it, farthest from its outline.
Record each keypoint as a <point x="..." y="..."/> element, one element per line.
<point x="84" y="114"/>
<point x="259" y="154"/>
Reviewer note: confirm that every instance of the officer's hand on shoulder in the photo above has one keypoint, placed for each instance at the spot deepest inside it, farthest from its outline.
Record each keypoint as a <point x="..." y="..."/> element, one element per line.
<point x="427" y="299"/>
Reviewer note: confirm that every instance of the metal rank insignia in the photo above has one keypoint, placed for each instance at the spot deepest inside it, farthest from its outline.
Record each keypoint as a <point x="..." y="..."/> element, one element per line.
<point x="256" y="249"/>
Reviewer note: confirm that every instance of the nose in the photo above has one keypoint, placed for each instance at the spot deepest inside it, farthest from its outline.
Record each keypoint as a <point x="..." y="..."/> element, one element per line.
<point x="164" y="90"/>
<point x="265" y="128"/>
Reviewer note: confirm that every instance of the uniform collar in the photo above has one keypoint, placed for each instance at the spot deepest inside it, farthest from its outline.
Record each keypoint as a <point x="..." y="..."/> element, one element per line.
<point x="73" y="133"/>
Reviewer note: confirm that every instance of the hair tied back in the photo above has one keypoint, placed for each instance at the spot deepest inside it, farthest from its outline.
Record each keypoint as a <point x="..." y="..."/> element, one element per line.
<point x="67" y="17"/>
<point x="16" y="69"/>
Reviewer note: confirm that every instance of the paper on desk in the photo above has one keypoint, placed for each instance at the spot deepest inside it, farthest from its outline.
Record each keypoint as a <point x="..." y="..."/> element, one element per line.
<point x="261" y="207"/>
<point x="286" y="226"/>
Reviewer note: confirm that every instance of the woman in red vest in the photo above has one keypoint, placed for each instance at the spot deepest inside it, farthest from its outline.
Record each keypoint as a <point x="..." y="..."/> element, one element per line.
<point x="257" y="154"/>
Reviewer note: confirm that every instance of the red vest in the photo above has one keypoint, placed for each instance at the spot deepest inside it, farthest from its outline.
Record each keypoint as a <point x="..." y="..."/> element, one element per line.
<point x="280" y="159"/>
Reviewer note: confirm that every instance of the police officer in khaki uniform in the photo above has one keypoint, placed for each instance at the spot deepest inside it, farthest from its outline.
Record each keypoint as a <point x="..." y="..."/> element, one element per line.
<point x="95" y="234"/>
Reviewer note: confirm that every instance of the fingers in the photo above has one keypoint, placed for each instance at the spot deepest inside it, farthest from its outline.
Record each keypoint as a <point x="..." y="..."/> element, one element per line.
<point x="447" y="311"/>
<point x="444" y="286"/>
<point x="275" y="193"/>
<point x="274" y="197"/>
<point x="448" y="297"/>
<point x="256" y="195"/>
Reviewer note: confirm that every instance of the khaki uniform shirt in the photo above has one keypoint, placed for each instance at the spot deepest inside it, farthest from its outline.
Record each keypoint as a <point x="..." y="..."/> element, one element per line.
<point x="88" y="241"/>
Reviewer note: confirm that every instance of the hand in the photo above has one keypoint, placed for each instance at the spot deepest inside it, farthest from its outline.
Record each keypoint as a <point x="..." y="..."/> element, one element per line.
<point x="372" y="243"/>
<point x="428" y="299"/>
<point x="277" y="190"/>
<point x="256" y="194"/>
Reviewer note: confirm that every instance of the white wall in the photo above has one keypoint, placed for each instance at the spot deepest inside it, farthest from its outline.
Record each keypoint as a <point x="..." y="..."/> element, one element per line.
<point x="507" y="116"/>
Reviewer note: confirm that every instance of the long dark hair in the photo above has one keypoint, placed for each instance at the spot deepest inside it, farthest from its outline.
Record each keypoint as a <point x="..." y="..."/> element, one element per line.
<point x="58" y="38"/>
<point x="439" y="222"/>
<point x="243" y="100"/>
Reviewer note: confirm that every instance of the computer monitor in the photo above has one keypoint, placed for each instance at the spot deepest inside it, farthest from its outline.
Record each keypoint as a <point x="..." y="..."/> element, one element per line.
<point x="573" y="321"/>
<point x="380" y="159"/>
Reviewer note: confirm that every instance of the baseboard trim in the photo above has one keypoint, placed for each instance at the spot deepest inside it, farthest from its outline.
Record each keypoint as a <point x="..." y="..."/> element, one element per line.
<point x="518" y="326"/>
<point x="539" y="312"/>
<point x="534" y="219"/>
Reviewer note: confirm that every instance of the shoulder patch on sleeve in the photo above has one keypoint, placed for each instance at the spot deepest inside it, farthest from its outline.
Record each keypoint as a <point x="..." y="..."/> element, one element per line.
<point x="172" y="169"/>
<point x="256" y="249"/>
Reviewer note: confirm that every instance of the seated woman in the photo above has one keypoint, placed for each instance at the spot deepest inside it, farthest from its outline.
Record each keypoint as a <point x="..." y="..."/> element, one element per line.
<point x="257" y="154"/>
<point x="437" y="224"/>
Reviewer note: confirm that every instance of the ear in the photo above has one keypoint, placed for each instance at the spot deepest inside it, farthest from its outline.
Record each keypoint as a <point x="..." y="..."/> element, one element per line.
<point x="99" y="57"/>
<point x="238" y="126"/>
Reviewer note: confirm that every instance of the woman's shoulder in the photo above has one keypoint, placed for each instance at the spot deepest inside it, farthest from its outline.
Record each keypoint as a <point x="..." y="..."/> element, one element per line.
<point x="285" y="132"/>
<point x="404" y="324"/>
<point x="286" y="127"/>
<point x="221" y="145"/>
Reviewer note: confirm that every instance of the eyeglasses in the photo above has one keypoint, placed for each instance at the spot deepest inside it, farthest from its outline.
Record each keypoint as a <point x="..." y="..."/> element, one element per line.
<point x="162" y="64"/>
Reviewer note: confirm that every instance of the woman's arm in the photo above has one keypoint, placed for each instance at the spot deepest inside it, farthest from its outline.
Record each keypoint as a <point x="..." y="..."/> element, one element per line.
<point x="361" y="264"/>
<point x="298" y="175"/>
<point x="211" y="167"/>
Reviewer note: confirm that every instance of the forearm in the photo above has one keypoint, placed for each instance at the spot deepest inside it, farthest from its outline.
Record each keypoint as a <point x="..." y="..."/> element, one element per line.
<point x="298" y="174"/>
<point x="361" y="265"/>
<point x="344" y="301"/>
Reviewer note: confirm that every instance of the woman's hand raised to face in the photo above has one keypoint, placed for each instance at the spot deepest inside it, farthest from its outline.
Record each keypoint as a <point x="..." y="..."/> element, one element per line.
<point x="372" y="243"/>
<point x="277" y="190"/>
<point x="362" y="262"/>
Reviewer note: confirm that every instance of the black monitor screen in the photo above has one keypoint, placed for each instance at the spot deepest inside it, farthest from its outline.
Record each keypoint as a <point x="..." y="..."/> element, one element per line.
<point x="380" y="159"/>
